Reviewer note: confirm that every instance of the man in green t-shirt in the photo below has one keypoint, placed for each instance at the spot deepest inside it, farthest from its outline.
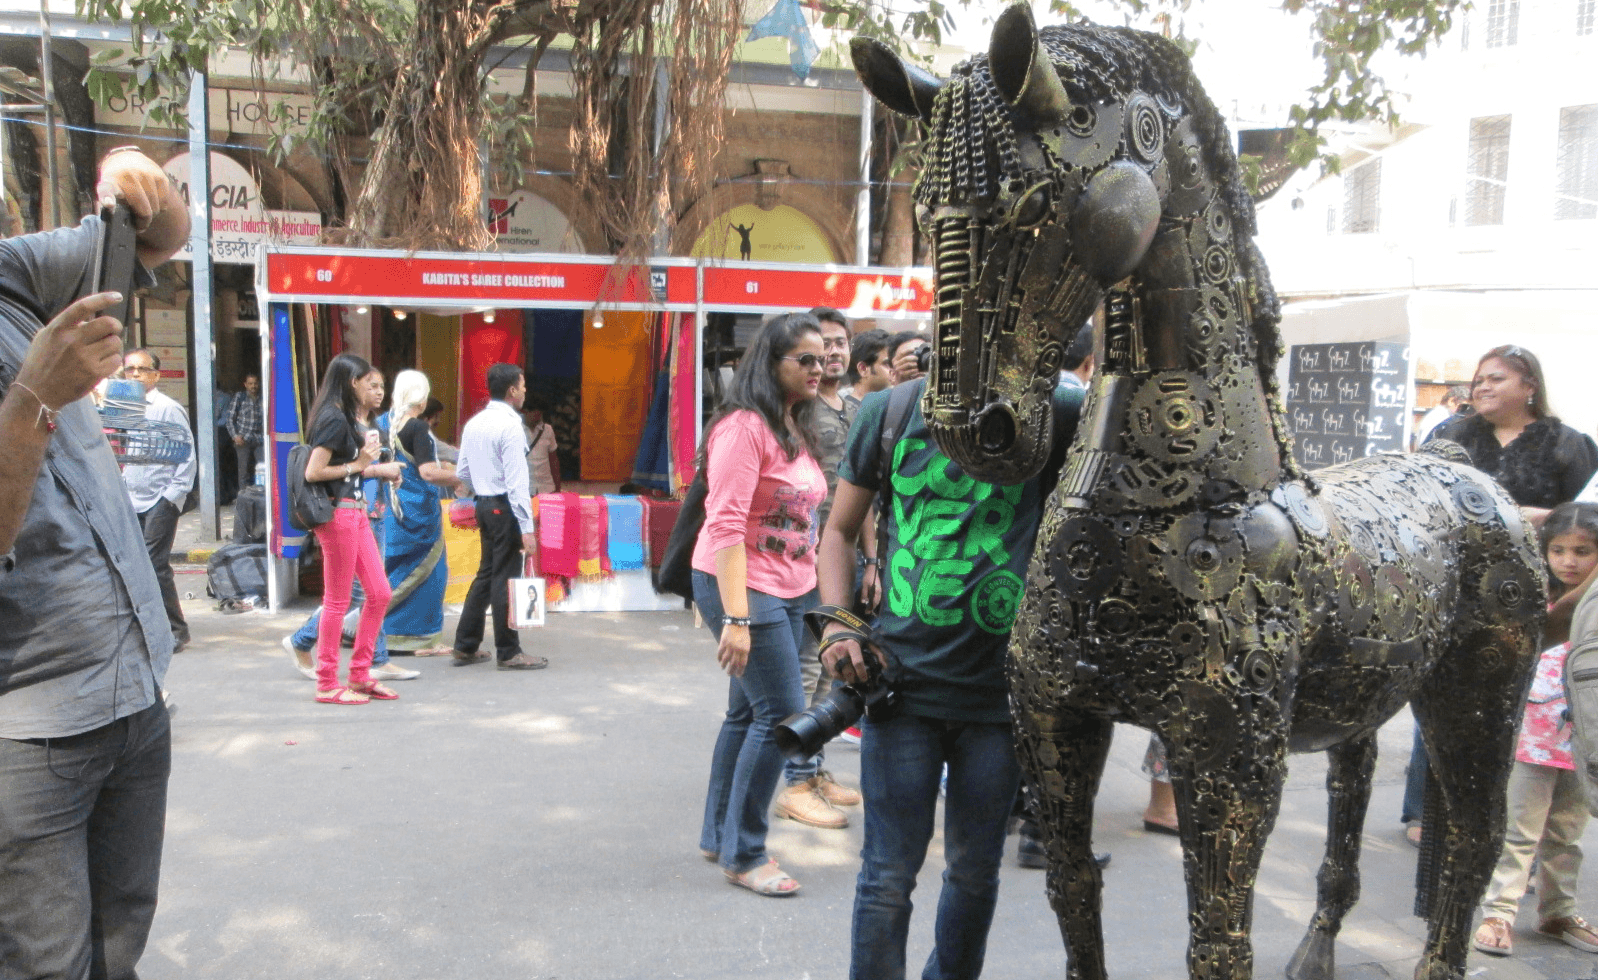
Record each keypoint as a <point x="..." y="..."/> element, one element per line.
<point x="953" y="573"/>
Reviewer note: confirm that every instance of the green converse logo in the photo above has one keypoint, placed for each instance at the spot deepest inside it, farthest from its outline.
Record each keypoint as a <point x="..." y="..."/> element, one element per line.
<point x="942" y="524"/>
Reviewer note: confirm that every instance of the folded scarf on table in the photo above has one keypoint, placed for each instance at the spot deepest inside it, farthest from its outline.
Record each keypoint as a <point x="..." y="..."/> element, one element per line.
<point x="625" y="516"/>
<point x="659" y="518"/>
<point x="591" y="560"/>
<point x="558" y="521"/>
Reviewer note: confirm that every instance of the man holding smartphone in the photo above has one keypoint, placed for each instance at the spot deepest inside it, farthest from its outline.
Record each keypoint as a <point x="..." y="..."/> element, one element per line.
<point x="85" y="745"/>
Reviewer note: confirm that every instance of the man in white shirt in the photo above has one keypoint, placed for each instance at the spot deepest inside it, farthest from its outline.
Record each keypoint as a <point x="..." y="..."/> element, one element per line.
<point x="493" y="459"/>
<point x="160" y="490"/>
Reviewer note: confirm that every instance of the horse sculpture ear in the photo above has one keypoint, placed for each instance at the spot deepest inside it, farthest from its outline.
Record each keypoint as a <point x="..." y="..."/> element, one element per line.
<point x="1022" y="70"/>
<point x="900" y="86"/>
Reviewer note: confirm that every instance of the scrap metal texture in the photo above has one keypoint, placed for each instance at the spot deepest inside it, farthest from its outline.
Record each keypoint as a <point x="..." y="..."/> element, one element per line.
<point x="1188" y="577"/>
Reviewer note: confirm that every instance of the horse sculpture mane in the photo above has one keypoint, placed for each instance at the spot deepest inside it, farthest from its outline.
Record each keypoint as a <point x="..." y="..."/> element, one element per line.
<point x="1188" y="577"/>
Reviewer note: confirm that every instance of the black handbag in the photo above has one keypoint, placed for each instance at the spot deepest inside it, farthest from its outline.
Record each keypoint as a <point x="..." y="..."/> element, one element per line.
<point x="675" y="576"/>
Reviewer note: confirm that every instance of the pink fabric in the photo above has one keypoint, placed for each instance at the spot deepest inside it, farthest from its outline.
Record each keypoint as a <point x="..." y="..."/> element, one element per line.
<point x="1544" y="732"/>
<point x="684" y="403"/>
<point x="763" y="500"/>
<point x="348" y="550"/>
<point x="557" y="534"/>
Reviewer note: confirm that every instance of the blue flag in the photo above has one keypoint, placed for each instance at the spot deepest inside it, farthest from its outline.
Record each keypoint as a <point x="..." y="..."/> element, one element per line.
<point x="787" y="19"/>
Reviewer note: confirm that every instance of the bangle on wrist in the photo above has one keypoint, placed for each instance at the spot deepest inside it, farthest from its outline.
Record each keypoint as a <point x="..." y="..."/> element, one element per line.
<point x="735" y="621"/>
<point x="869" y="560"/>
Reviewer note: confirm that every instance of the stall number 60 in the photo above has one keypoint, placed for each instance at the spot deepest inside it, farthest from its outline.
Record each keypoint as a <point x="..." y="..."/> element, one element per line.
<point x="324" y="275"/>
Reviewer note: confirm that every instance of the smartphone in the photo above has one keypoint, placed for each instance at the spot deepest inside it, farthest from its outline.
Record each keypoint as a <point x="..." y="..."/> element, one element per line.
<point x="117" y="261"/>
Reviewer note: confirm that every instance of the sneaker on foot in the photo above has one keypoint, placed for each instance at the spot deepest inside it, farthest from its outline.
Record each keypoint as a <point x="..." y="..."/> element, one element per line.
<point x="833" y="791"/>
<point x="392" y="671"/>
<point x="850" y="735"/>
<point x="300" y="658"/>
<point x="801" y="802"/>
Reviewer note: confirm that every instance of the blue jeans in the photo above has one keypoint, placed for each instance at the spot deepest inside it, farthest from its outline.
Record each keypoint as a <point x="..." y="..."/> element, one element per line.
<point x="1415" y="782"/>
<point x="745" y="765"/>
<point x="900" y="764"/>
<point x="81" y="825"/>
<point x="304" y="638"/>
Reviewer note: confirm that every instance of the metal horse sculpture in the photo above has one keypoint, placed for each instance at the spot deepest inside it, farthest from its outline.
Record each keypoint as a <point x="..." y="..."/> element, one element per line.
<point x="1188" y="578"/>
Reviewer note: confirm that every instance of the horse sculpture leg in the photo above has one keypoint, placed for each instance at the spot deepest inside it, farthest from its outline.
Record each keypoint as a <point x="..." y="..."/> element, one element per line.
<point x="1348" y="786"/>
<point x="1226" y="808"/>
<point x="1469" y="720"/>
<point x="1064" y="759"/>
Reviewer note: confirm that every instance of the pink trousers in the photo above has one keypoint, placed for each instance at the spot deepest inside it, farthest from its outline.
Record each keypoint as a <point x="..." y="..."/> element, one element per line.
<point x="348" y="550"/>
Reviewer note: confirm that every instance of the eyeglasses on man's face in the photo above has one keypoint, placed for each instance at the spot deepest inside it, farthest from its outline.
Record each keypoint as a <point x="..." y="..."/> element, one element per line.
<point x="139" y="369"/>
<point x="806" y="361"/>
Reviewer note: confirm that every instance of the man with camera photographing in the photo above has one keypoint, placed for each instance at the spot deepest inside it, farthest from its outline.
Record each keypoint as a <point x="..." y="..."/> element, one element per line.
<point x="85" y="742"/>
<point x="954" y="562"/>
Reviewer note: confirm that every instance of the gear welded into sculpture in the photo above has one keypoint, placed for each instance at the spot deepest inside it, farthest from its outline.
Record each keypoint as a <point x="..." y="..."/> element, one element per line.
<point x="1188" y="577"/>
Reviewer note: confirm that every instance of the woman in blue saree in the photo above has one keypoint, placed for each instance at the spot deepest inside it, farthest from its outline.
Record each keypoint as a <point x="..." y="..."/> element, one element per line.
<point x="417" y="570"/>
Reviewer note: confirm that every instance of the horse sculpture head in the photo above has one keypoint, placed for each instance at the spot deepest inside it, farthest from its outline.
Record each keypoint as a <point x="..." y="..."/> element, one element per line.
<point x="1054" y="168"/>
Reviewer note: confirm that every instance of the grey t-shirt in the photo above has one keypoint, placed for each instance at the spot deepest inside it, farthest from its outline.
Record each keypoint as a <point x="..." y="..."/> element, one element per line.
<point x="85" y="638"/>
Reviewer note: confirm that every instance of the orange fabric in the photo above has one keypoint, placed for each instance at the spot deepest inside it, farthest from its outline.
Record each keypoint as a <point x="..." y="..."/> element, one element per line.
<point x="616" y="388"/>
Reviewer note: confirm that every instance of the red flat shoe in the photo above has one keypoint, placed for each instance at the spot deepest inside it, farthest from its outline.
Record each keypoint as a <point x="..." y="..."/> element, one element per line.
<point x="341" y="695"/>
<point x="375" y="690"/>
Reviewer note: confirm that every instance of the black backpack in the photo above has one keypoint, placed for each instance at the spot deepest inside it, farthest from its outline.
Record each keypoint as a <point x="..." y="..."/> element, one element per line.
<point x="309" y="506"/>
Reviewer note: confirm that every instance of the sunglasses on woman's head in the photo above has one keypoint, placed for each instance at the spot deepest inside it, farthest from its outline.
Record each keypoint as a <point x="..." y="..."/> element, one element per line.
<point x="806" y="361"/>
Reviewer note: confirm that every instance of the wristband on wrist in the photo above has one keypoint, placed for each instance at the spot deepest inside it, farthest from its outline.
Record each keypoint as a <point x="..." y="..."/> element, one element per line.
<point x="869" y="561"/>
<point x="735" y="620"/>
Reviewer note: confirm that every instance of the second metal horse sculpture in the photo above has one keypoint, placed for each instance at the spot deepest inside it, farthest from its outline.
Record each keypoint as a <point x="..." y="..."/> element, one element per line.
<point x="1188" y="577"/>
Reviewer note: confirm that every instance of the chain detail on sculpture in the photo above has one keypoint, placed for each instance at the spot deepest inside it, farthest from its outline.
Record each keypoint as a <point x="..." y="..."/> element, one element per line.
<point x="1188" y="578"/>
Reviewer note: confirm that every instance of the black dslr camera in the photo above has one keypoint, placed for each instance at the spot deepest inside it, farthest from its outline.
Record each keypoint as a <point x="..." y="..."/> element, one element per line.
<point x="802" y="735"/>
<point x="924" y="358"/>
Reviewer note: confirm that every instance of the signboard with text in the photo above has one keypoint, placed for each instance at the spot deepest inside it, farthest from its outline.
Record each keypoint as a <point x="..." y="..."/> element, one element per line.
<point x="1346" y="401"/>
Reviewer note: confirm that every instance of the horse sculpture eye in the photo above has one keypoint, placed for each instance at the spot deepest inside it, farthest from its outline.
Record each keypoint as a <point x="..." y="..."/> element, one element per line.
<point x="1033" y="209"/>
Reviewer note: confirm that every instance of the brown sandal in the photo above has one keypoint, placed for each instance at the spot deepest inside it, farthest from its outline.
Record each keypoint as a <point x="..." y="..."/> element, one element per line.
<point x="1573" y="931"/>
<point x="1494" y="937"/>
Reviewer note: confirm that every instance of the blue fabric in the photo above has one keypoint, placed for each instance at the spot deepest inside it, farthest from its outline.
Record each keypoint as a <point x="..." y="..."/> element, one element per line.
<point x="786" y="19"/>
<point x="652" y="465"/>
<point x="901" y="761"/>
<point x="625" y="532"/>
<point x="1414" y="782"/>
<point x="414" y="554"/>
<point x="746" y="764"/>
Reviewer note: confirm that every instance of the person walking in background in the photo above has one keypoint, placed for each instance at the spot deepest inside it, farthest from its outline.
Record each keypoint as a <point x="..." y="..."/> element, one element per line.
<point x="1453" y="401"/>
<point x="159" y="491"/>
<point x="343" y="455"/>
<point x="375" y="497"/>
<point x="541" y="463"/>
<point x="812" y="796"/>
<point x="494" y="462"/>
<point x="754" y="579"/>
<point x="1547" y="805"/>
<point x="413" y="532"/>
<point x="227" y="477"/>
<point x="448" y="455"/>
<point x="244" y="427"/>
<point x="869" y="365"/>
<point x="85" y="739"/>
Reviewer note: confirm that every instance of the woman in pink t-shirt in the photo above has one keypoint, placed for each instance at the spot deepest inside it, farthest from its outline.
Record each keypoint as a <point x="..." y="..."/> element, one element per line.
<point x="754" y="579"/>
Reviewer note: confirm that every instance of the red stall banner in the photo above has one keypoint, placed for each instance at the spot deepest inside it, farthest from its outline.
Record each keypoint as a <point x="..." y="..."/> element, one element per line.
<point x="856" y="293"/>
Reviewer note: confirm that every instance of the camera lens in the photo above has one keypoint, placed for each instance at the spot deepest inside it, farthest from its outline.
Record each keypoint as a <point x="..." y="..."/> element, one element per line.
<point x="802" y="735"/>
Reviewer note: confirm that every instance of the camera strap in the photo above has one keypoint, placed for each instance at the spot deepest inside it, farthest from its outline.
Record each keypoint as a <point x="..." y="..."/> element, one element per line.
<point x="854" y="627"/>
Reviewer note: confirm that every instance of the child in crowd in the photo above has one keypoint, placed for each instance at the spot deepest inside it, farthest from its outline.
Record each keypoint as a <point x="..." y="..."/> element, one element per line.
<point x="1547" y="808"/>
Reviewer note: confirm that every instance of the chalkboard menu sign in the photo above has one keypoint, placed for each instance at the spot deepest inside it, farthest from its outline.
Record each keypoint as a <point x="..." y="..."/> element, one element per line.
<point x="1346" y="401"/>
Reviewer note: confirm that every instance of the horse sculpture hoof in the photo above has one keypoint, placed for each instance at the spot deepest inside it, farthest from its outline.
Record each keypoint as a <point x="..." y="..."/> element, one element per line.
<point x="1314" y="959"/>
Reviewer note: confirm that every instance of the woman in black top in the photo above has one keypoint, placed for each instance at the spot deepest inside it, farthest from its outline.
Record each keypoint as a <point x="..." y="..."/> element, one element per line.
<point x="340" y="457"/>
<point x="1512" y="437"/>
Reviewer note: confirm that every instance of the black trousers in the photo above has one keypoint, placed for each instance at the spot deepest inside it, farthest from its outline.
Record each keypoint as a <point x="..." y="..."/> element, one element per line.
<point x="501" y="540"/>
<point x="247" y="455"/>
<point x="160" y="526"/>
